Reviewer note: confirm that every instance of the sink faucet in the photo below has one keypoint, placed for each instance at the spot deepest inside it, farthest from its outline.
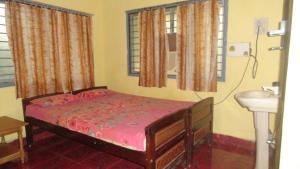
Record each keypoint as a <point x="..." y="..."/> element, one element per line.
<point x="274" y="89"/>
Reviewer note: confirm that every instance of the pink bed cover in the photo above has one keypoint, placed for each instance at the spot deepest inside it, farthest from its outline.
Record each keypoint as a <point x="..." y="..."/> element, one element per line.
<point x="116" y="118"/>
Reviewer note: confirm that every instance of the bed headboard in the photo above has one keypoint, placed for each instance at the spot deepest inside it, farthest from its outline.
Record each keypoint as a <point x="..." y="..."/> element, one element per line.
<point x="27" y="101"/>
<point x="92" y="88"/>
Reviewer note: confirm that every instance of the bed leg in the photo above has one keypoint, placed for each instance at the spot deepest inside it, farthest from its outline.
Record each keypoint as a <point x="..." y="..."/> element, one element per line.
<point x="190" y="141"/>
<point x="209" y="139"/>
<point x="189" y="159"/>
<point x="210" y="135"/>
<point x="29" y="135"/>
<point x="189" y="150"/>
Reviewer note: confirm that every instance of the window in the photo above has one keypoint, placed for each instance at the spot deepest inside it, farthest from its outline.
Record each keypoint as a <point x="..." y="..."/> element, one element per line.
<point x="7" y="75"/>
<point x="171" y="24"/>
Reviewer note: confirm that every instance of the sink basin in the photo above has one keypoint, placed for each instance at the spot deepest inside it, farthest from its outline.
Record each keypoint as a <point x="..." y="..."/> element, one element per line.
<point x="258" y="101"/>
<point x="261" y="103"/>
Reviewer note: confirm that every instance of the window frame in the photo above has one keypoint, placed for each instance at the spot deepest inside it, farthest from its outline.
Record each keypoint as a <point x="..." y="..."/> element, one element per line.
<point x="129" y="54"/>
<point x="9" y="82"/>
<point x="130" y="70"/>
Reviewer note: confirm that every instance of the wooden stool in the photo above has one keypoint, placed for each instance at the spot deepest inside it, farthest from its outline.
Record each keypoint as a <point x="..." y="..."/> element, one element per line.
<point x="9" y="152"/>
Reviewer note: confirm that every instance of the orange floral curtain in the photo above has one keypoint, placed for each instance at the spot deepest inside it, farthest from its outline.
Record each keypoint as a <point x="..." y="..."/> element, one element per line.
<point x="52" y="50"/>
<point x="153" y="48"/>
<point x="197" y="33"/>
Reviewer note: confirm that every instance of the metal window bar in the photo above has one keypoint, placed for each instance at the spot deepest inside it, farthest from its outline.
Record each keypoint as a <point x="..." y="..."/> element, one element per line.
<point x="170" y="5"/>
<point x="48" y="6"/>
<point x="7" y="84"/>
<point x="6" y="66"/>
<point x="171" y="12"/>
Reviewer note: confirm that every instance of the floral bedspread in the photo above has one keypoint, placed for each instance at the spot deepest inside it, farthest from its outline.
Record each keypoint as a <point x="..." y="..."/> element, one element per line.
<point x="116" y="118"/>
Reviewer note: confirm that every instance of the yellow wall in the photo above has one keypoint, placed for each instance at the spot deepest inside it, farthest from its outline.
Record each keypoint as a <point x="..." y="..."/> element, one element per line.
<point x="229" y="117"/>
<point x="110" y="57"/>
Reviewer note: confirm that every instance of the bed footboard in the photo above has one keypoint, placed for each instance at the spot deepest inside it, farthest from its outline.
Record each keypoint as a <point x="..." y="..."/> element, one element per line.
<point x="201" y="117"/>
<point x="167" y="141"/>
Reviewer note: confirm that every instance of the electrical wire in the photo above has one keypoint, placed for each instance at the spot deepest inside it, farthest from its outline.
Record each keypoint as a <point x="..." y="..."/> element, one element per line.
<point x="238" y="85"/>
<point x="255" y="64"/>
<point x="254" y="68"/>
<point x="200" y="98"/>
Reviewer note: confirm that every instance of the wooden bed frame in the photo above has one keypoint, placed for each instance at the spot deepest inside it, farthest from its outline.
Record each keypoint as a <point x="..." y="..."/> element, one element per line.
<point x="168" y="139"/>
<point x="201" y="124"/>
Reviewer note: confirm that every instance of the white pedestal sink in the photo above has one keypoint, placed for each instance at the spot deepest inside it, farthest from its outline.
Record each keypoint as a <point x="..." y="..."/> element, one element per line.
<point x="260" y="103"/>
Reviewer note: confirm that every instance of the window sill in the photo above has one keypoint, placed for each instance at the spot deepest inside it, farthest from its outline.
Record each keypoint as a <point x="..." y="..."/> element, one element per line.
<point x="173" y="77"/>
<point x="137" y="75"/>
<point x="8" y="84"/>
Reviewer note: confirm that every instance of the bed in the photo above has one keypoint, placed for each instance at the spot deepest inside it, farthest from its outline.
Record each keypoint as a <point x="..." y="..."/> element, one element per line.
<point x="151" y="132"/>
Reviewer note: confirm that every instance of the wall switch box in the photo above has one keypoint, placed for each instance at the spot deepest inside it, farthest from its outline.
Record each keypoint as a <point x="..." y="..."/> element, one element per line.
<point x="239" y="49"/>
<point x="262" y="23"/>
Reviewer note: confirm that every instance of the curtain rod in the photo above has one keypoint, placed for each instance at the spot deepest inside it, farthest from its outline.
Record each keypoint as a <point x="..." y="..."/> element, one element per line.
<point x="170" y="5"/>
<point x="48" y="6"/>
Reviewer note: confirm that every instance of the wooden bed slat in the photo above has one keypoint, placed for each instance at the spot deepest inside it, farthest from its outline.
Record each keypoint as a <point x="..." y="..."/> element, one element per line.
<point x="202" y="122"/>
<point x="167" y="133"/>
<point x="201" y="133"/>
<point x="171" y="155"/>
<point x="196" y="116"/>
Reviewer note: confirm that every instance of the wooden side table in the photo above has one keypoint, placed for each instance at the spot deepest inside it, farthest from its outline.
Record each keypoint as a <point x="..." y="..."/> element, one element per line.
<point x="9" y="152"/>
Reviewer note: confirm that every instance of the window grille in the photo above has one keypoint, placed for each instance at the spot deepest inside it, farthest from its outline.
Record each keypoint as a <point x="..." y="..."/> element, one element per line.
<point x="7" y="72"/>
<point x="171" y="24"/>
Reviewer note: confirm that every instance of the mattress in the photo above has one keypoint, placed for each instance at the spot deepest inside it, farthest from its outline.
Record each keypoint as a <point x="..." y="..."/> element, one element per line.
<point x="117" y="118"/>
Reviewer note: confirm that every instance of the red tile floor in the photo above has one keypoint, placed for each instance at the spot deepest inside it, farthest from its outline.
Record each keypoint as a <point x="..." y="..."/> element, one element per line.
<point x="55" y="152"/>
